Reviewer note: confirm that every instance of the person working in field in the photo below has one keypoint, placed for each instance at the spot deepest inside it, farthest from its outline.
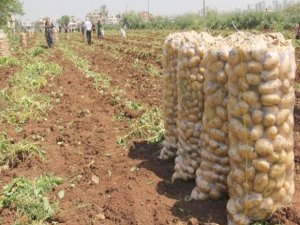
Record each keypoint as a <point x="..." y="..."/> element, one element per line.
<point x="123" y="33"/>
<point x="88" y="29"/>
<point x="83" y="31"/>
<point x="100" y="30"/>
<point x="298" y="32"/>
<point x="49" y="32"/>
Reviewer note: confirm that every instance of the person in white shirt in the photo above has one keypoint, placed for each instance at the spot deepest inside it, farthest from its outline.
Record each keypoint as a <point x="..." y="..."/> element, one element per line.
<point x="123" y="33"/>
<point x="88" y="29"/>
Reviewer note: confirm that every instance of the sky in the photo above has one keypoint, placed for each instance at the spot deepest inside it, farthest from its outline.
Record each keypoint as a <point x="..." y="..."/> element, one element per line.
<point x="34" y="9"/>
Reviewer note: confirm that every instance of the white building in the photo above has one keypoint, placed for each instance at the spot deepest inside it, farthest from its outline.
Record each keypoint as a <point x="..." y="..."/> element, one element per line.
<point x="94" y="16"/>
<point x="111" y="20"/>
<point x="260" y="6"/>
<point x="27" y="25"/>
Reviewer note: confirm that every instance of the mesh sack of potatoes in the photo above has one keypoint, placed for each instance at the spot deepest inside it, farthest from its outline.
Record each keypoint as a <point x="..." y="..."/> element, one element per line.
<point x="29" y="34"/>
<point x="260" y="111"/>
<point x="170" y="60"/>
<point x="4" y="46"/>
<point x="23" y="40"/>
<point x="190" y="77"/>
<point x="211" y="176"/>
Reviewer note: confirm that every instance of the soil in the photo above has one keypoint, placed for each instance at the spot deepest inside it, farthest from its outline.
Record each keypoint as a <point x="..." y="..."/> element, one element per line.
<point x="134" y="185"/>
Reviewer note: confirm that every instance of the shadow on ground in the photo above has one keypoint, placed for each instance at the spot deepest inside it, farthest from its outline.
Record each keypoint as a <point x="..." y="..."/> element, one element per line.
<point x="208" y="211"/>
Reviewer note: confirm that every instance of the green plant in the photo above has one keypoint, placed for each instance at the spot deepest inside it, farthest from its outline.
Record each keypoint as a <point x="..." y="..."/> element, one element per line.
<point x="20" y="106"/>
<point x="37" y="51"/>
<point x="119" y="117"/>
<point x="9" y="61"/>
<point x="21" y="102"/>
<point x="134" y="105"/>
<point x="29" y="199"/>
<point x="10" y="151"/>
<point x="149" y="127"/>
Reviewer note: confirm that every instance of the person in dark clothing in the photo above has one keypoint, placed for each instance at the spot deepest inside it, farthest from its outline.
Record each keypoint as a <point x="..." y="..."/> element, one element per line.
<point x="298" y="32"/>
<point x="94" y="28"/>
<point x="83" y="31"/>
<point x="99" y="29"/>
<point x="49" y="32"/>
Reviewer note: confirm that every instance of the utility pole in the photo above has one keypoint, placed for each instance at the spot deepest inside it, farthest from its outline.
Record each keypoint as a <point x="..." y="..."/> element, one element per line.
<point x="148" y="7"/>
<point x="204" y="12"/>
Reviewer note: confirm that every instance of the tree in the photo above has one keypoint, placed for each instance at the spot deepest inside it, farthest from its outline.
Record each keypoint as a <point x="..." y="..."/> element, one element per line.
<point x="9" y="8"/>
<point x="65" y="20"/>
<point x="103" y="11"/>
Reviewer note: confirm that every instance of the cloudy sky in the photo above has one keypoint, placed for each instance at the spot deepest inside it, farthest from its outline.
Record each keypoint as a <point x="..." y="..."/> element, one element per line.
<point x="55" y="8"/>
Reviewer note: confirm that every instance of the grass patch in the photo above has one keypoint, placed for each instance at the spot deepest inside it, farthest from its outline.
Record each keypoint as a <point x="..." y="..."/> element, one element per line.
<point x="9" y="61"/>
<point x="20" y="106"/>
<point x="21" y="101"/>
<point x="137" y="106"/>
<point x="10" y="151"/>
<point x="149" y="127"/>
<point x="29" y="199"/>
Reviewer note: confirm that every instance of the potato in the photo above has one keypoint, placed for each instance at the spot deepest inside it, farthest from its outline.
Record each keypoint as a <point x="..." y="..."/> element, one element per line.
<point x="234" y="57"/>
<point x="241" y="69"/>
<point x="271" y="132"/>
<point x="282" y="116"/>
<point x="269" y="75"/>
<point x="250" y="97"/>
<point x="222" y="77"/>
<point x="271" y="60"/>
<point x="271" y="99"/>
<point x="269" y="188"/>
<point x="218" y="135"/>
<point x="221" y="113"/>
<point x="261" y="181"/>
<point x="247" y="152"/>
<point x="277" y="170"/>
<point x="261" y="165"/>
<point x="264" y="147"/>
<point x="288" y="100"/>
<point x="257" y="116"/>
<point x="240" y="109"/>
<point x="269" y="120"/>
<point x="269" y="87"/>
<point x="257" y="55"/>
<point x="256" y="132"/>
<point x="253" y="79"/>
<point x="255" y="67"/>
<point x="285" y="130"/>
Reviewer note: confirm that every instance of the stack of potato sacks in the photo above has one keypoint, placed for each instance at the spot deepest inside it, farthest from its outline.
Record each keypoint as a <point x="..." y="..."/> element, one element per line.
<point x="246" y="139"/>
<point x="4" y="46"/>
<point x="23" y="40"/>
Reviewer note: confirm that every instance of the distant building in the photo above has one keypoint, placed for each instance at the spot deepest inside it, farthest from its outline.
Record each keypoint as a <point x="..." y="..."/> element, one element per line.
<point x="111" y="20"/>
<point x="251" y="7"/>
<point x="27" y="25"/>
<point x="94" y="16"/>
<point x="276" y="6"/>
<point x="260" y="6"/>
